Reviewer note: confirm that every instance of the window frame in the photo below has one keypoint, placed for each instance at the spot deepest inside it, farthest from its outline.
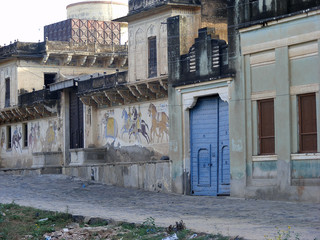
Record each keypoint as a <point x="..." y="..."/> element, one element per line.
<point x="9" y="137"/>
<point x="7" y="94"/>
<point x="152" y="57"/>
<point x="49" y="78"/>
<point x="25" y="135"/>
<point x="301" y="148"/>
<point x="261" y="137"/>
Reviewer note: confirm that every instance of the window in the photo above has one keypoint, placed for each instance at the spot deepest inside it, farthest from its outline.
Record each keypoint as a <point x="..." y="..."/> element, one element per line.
<point x="266" y="127"/>
<point x="25" y="134"/>
<point x="7" y="94"/>
<point x="9" y="143"/>
<point x="152" y="57"/>
<point x="307" y="123"/>
<point x="49" y="78"/>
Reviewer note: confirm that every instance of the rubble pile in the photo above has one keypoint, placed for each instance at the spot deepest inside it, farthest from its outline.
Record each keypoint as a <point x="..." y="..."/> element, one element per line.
<point x="75" y="232"/>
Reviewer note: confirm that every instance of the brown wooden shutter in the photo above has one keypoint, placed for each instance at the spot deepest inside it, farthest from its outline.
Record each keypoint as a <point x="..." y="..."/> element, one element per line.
<point x="152" y="61"/>
<point x="307" y="123"/>
<point x="266" y="126"/>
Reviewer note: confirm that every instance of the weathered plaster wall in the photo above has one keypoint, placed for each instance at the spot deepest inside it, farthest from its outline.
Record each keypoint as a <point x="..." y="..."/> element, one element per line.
<point x="43" y="136"/>
<point x="136" y="132"/>
<point x="150" y="176"/>
<point x="31" y="74"/>
<point x="214" y="15"/>
<point x="281" y="68"/>
<point x="8" y="70"/>
<point x="155" y="26"/>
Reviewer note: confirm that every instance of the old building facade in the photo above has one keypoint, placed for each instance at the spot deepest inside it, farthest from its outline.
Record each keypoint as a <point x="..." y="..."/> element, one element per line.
<point x="275" y="100"/>
<point x="205" y="107"/>
<point x="33" y="120"/>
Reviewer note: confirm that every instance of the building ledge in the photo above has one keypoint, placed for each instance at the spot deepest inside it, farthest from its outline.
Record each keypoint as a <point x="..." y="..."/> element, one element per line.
<point x="112" y="90"/>
<point x="264" y="158"/>
<point x="305" y="156"/>
<point x="31" y="105"/>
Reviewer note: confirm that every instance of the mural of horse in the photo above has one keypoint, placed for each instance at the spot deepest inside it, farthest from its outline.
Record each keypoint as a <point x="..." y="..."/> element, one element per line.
<point x="126" y="122"/>
<point x="160" y="124"/>
<point x="134" y="125"/>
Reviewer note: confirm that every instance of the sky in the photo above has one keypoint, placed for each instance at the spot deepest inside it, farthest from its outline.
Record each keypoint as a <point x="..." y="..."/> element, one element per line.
<point x="24" y="19"/>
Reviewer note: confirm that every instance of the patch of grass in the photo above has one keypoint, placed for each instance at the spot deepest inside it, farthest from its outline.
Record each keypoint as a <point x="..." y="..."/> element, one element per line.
<point x="16" y="222"/>
<point x="184" y="233"/>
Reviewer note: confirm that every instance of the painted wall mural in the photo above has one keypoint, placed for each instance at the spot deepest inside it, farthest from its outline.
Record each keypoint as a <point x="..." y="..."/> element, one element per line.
<point x="142" y="124"/>
<point x="16" y="138"/>
<point x="45" y="136"/>
<point x="134" y="125"/>
<point x="2" y="139"/>
<point x="160" y="124"/>
<point x="51" y="136"/>
<point x="110" y="126"/>
<point x="34" y="136"/>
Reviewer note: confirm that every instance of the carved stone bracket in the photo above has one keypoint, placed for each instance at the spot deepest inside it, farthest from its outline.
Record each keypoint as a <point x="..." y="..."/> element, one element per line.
<point x="164" y="84"/>
<point x="83" y="60"/>
<point x="87" y="100"/>
<point x="45" y="58"/>
<point x="101" y="100"/>
<point x="109" y="61"/>
<point x="68" y="59"/>
<point x="134" y="91"/>
<point x="114" y="97"/>
<point x="92" y="61"/>
<point x="126" y="95"/>
<point x="144" y="91"/>
<point x="122" y="60"/>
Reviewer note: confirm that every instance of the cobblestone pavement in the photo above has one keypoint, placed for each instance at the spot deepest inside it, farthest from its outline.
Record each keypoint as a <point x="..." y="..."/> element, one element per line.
<point x="252" y="219"/>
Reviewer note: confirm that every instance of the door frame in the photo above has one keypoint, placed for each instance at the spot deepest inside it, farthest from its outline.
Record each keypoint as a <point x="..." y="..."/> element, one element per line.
<point x="189" y="96"/>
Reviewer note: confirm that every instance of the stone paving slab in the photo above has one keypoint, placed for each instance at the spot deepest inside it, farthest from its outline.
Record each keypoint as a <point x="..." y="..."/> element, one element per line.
<point x="251" y="219"/>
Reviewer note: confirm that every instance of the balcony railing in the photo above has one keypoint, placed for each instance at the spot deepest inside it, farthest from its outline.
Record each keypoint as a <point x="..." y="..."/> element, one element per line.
<point x="40" y="96"/>
<point x="101" y="83"/>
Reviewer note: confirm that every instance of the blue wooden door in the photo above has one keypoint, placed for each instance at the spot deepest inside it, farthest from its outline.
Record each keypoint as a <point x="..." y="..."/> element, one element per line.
<point x="210" y="161"/>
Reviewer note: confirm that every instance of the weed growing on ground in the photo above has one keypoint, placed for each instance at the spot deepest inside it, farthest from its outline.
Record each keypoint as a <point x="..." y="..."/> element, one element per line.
<point x="284" y="235"/>
<point x="16" y="222"/>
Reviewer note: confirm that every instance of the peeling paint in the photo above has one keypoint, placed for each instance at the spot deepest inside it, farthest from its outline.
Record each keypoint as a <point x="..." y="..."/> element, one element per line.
<point x="236" y="145"/>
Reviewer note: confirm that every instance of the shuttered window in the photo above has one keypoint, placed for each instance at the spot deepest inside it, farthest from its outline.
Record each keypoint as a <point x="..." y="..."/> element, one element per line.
<point x="7" y="94"/>
<point x="266" y="127"/>
<point x="307" y="123"/>
<point x="9" y="143"/>
<point x="152" y="57"/>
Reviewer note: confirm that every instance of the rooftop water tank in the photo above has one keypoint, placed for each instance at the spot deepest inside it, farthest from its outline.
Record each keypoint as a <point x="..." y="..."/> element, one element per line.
<point x="98" y="10"/>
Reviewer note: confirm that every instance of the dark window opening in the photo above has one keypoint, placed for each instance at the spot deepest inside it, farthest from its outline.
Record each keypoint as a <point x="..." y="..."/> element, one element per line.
<point x="266" y="127"/>
<point x="307" y="123"/>
<point x="49" y="78"/>
<point x="7" y="94"/>
<point x="152" y="57"/>
<point x="9" y="143"/>
<point x="25" y="135"/>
